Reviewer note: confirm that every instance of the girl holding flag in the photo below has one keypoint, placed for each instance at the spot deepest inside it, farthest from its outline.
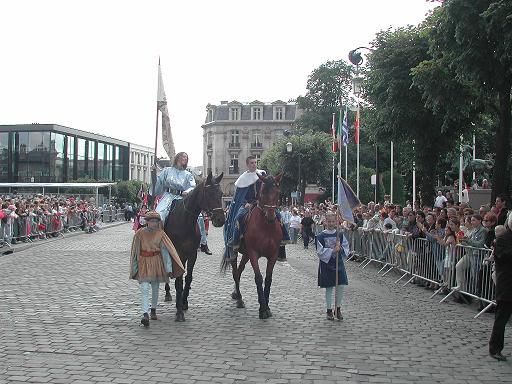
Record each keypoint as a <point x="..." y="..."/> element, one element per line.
<point x="332" y="249"/>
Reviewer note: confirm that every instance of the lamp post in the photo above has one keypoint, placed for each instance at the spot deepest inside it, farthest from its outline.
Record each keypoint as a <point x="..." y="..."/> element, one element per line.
<point x="289" y="149"/>
<point x="356" y="59"/>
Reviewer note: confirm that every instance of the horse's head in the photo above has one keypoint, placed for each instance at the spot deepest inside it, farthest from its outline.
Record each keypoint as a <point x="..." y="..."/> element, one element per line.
<point x="212" y="200"/>
<point x="269" y="195"/>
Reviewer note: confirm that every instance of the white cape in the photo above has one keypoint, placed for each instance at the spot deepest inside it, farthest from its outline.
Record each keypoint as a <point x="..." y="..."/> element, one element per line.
<point x="248" y="178"/>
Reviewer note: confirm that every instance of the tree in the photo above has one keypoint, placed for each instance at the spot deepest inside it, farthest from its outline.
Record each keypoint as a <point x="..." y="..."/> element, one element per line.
<point x="327" y="86"/>
<point x="310" y="151"/>
<point x="398" y="110"/>
<point x="474" y="40"/>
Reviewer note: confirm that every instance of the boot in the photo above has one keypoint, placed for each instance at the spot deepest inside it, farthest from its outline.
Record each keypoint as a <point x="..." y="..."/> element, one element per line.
<point x="145" y="320"/>
<point x="205" y="249"/>
<point x="153" y="314"/>
<point x="330" y="316"/>
<point x="339" y="316"/>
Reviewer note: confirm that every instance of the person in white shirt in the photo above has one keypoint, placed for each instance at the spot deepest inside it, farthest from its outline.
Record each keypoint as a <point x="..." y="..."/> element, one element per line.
<point x="440" y="200"/>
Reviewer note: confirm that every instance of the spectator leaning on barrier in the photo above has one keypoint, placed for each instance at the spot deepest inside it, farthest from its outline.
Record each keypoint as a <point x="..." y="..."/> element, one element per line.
<point x="503" y="263"/>
<point x="501" y="209"/>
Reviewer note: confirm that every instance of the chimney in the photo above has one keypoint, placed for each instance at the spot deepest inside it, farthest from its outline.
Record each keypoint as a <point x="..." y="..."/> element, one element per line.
<point x="224" y="102"/>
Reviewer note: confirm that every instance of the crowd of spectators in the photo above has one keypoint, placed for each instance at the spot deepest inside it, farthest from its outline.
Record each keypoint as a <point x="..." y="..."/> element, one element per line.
<point x="24" y="218"/>
<point x="442" y="223"/>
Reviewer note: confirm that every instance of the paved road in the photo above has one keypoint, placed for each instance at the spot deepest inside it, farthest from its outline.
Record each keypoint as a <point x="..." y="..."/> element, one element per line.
<point x="68" y="314"/>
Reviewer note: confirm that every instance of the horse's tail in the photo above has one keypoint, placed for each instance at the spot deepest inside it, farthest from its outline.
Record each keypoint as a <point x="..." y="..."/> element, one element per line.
<point x="225" y="263"/>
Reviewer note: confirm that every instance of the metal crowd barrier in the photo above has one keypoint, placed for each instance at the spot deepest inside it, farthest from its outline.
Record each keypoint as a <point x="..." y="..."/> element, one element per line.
<point x="454" y="269"/>
<point x="30" y="227"/>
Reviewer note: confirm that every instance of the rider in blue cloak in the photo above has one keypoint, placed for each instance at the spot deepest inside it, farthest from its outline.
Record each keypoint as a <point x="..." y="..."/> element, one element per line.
<point x="246" y="195"/>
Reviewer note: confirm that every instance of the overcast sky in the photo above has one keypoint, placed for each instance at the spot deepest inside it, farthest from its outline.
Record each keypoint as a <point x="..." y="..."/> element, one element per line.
<point x="92" y="65"/>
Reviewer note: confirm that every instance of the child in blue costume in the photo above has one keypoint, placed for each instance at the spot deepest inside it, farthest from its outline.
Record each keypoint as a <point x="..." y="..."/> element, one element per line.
<point x="331" y="244"/>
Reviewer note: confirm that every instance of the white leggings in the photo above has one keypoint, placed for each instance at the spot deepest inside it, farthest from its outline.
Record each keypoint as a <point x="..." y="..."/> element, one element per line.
<point x="144" y="290"/>
<point x="339" y="296"/>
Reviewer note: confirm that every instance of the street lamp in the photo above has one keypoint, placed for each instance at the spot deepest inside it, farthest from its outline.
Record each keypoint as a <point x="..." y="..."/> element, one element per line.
<point x="289" y="149"/>
<point x="356" y="59"/>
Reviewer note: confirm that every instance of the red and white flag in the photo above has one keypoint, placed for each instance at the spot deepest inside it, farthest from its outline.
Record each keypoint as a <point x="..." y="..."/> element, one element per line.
<point x="334" y="141"/>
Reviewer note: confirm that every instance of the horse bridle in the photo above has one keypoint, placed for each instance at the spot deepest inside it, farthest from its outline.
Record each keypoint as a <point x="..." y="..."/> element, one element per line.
<point x="209" y="211"/>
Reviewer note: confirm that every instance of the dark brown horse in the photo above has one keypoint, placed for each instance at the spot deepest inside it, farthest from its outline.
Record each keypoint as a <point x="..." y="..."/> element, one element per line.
<point x="180" y="226"/>
<point x="262" y="238"/>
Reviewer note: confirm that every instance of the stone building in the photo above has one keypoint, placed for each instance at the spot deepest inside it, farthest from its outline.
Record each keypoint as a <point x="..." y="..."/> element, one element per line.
<point x="141" y="159"/>
<point x="235" y="130"/>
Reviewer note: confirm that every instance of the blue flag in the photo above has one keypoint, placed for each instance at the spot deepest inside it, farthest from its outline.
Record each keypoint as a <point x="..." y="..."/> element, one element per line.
<point x="347" y="200"/>
<point x="344" y="128"/>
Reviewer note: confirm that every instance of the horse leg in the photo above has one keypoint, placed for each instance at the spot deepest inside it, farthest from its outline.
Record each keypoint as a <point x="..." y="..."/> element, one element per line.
<point x="258" y="279"/>
<point x="268" y="281"/>
<point x="178" y="284"/>
<point x="188" y="280"/>
<point x="168" y="296"/>
<point x="237" y="273"/>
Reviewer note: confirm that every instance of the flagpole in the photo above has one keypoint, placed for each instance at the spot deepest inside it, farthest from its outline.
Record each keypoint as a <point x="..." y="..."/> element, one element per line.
<point x="357" y="165"/>
<point x="413" y="176"/>
<point x="333" y="154"/>
<point x="153" y="171"/>
<point x="391" y="189"/>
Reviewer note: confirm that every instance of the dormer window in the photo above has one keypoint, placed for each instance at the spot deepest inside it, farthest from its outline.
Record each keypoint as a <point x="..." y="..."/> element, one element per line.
<point x="210" y="115"/>
<point x="256" y="113"/>
<point x="278" y="113"/>
<point x="234" y="113"/>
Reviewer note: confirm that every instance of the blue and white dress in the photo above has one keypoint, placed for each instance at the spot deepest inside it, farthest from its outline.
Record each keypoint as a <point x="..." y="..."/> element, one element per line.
<point x="325" y="244"/>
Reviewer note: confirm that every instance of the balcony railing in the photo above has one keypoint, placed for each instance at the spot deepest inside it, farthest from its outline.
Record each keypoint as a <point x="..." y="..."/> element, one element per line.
<point x="234" y="145"/>
<point x="256" y="145"/>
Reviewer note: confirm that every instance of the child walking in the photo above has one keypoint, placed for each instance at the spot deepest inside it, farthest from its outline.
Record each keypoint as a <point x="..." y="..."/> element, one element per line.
<point x="330" y="245"/>
<point x="153" y="260"/>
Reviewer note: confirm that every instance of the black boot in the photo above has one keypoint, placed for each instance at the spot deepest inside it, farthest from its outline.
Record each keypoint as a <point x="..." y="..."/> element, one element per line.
<point x="153" y="314"/>
<point x="145" y="320"/>
<point x="330" y="316"/>
<point x="205" y="249"/>
<point x="339" y="315"/>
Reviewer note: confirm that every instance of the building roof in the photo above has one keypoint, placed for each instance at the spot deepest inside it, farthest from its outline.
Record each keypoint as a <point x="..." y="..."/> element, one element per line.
<point x="62" y="129"/>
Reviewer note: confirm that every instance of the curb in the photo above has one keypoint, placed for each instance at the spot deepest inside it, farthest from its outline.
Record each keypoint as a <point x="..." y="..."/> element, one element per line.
<point x="19" y="248"/>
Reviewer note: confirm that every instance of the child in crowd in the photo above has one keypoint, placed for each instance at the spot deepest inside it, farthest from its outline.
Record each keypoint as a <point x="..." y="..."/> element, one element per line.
<point x="331" y="244"/>
<point x="153" y="260"/>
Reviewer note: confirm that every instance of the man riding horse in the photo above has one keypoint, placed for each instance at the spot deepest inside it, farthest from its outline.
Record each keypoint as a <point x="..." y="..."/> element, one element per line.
<point x="247" y="186"/>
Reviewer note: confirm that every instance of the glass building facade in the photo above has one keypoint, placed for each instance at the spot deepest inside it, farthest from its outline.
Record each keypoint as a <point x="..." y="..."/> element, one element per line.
<point x="53" y="153"/>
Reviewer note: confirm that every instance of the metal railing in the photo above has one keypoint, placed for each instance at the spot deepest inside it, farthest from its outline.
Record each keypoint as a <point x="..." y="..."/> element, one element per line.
<point x="453" y="269"/>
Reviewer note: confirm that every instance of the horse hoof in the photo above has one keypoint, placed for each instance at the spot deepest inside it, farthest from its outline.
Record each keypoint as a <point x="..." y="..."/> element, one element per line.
<point x="264" y="314"/>
<point x="180" y="317"/>
<point x="240" y="304"/>
<point x="168" y="297"/>
<point x="235" y="295"/>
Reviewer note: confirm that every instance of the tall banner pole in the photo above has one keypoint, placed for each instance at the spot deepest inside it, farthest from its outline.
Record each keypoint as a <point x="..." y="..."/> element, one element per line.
<point x="461" y="165"/>
<point x="413" y="178"/>
<point x="474" y="156"/>
<point x="153" y="170"/>
<point x="358" y="139"/>
<point x="391" y="189"/>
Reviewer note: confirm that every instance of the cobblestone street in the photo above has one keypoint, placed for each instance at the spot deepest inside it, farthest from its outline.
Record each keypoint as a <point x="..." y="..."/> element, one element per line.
<point x="69" y="314"/>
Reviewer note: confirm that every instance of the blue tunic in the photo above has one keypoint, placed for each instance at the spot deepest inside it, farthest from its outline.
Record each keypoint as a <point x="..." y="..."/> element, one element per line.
<point x="243" y="195"/>
<point x="325" y="243"/>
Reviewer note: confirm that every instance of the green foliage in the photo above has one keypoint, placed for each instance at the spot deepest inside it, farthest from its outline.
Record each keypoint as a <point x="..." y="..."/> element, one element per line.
<point x="366" y="189"/>
<point x="310" y="151"/>
<point x="126" y="191"/>
<point x="327" y="86"/>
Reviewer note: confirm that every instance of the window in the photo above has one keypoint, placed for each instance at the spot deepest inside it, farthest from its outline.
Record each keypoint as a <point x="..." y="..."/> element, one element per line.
<point x="278" y="113"/>
<point x="233" y="165"/>
<point x="81" y="165"/>
<point x="209" y="140"/>
<point x="258" y="159"/>
<point x="234" y="113"/>
<point x="4" y="153"/>
<point x="235" y="139"/>
<point x="91" y="158"/>
<point x="209" y="165"/>
<point x="57" y="158"/>
<point x="71" y="157"/>
<point x="256" y="140"/>
<point x="257" y="113"/>
<point x="210" y="115"/>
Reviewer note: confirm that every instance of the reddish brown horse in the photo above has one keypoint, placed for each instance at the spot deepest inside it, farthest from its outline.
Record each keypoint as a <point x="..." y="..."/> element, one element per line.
<point x="262" y="238"/>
